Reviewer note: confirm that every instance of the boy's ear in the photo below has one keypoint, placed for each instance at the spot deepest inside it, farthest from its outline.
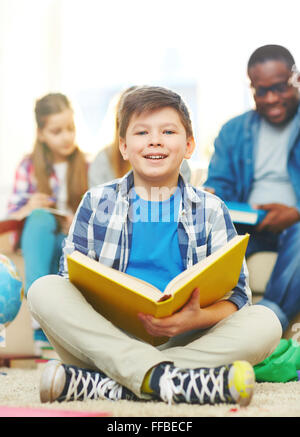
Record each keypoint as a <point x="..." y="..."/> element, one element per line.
<point x="123" y="148"/>
<point x="190" y="147"/>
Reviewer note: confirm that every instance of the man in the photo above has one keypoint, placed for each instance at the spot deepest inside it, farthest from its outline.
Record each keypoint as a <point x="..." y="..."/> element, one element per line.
<point x="257" y="160"/>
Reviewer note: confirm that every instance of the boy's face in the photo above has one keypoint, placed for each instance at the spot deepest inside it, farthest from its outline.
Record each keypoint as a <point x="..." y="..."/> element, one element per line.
<point x="155" y="145"/>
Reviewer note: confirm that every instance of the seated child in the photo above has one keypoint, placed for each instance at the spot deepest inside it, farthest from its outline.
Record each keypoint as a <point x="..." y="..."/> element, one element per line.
<point x="54" y="174"/>
<point x="210" y="352"/>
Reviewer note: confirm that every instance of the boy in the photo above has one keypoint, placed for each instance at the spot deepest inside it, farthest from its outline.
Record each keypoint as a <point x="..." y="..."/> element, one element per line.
<point x="152" y="225"/>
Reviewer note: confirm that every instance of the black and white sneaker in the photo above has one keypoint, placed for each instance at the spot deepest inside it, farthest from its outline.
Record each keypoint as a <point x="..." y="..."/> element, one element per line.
<point x="225" y="384"/>
<point x="61" y="382"/>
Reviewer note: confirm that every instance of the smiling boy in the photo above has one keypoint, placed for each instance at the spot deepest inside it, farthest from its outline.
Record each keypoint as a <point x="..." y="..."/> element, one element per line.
<point x="152" y="225"/>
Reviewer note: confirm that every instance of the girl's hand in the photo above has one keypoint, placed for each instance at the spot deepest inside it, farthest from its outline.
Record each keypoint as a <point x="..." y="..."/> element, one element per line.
<point x="40" y="200"/>
<point x="36" y="200"/>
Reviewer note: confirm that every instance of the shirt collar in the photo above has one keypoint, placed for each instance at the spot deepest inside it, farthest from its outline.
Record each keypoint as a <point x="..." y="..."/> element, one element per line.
<point x="188" y="192"/>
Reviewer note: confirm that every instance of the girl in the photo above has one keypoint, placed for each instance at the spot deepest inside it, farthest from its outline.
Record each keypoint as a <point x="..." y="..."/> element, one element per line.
<point x="54" y="175"/>
<point x="109" y="163"/>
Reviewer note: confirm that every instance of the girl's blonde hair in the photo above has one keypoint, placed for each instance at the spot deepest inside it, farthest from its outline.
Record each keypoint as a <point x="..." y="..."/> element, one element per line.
<point x="77" y="182"/>
<point x="119" y="165"/>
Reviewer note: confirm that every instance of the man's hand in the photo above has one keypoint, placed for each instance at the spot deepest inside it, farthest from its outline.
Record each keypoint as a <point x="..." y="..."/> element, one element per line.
<point x="278" y="218"/>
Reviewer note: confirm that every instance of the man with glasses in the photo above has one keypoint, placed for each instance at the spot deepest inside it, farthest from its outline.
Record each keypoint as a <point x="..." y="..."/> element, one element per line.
<point x="257" y="161"/>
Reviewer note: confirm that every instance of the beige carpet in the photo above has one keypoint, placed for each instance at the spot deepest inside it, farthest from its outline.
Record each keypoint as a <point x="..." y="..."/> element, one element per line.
<point x="20" y="388"/>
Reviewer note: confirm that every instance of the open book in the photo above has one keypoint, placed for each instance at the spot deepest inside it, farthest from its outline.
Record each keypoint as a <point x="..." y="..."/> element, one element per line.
<point x="8" y="225"/>
<point x="120" y="297"/>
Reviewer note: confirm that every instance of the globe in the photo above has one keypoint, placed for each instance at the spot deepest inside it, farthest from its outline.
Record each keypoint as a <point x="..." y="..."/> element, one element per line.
<point x="11" y="291"/>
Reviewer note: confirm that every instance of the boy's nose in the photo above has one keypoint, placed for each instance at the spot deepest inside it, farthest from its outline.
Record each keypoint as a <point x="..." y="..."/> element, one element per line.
<point x="155" y="140"/>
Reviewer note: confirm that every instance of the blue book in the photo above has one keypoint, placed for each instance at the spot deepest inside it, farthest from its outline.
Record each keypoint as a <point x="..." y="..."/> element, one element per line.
<point x="244" y="213"/>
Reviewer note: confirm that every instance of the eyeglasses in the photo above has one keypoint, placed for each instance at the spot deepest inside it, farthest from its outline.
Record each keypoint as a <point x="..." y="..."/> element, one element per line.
<point x="277" y="88"/>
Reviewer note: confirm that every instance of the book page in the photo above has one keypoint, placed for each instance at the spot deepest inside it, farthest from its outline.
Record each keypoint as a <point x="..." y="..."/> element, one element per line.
<point x="183" y="277"/>
<point x="117" y="276"/>
<point x="243" y="216"/>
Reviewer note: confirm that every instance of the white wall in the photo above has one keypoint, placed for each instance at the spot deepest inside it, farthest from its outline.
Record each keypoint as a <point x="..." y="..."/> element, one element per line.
<point x="29" y="68"/>
<point x="91" y="49"/>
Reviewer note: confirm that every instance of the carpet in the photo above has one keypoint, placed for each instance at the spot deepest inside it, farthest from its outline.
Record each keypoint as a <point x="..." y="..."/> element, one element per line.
<point x="20" y="388"/>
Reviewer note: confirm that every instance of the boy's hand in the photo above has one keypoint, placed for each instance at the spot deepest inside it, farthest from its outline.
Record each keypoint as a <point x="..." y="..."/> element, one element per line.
<point x="190" y="317"/>
<point x="278" y="218"/>
<point x="184" y="320"/>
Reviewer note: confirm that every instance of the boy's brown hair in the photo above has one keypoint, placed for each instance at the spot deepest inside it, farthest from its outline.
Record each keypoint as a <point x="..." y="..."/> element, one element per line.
<point x="148" y="99"/>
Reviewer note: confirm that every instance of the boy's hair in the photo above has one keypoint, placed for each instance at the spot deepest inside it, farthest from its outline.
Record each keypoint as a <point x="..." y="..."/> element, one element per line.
<point x="148" y="99"/>
<point x="271" y="52"/>
<point x="119" y="165"/>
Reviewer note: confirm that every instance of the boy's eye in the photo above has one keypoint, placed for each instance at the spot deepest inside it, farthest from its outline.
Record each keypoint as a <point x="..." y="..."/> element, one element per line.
<point x="169" y="132"/>
<point x="142" y="132"/>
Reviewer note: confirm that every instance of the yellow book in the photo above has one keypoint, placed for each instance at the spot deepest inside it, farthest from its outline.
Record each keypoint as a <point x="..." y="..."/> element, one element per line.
<point x="119" y="297"/>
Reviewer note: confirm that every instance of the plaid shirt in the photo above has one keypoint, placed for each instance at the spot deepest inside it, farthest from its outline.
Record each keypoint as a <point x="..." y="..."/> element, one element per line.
<point x="102" y="229"/>
<point x="25" y="184"/>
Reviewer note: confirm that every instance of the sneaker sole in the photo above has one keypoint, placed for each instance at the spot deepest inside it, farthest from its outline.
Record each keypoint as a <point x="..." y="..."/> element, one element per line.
<point x="52" y="381"/>
<point x="241" y="382"/>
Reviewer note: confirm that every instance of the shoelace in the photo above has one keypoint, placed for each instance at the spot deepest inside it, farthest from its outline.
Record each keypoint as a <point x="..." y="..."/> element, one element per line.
<point x="93" y="386"/>
<point x="197" y="386"/>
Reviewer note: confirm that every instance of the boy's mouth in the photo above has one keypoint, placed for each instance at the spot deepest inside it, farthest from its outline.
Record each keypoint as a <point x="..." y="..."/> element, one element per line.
<point x="155" y="157"/>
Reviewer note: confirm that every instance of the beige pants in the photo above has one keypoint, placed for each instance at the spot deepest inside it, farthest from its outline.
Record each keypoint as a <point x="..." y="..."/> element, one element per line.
<point x="82" y="337"/>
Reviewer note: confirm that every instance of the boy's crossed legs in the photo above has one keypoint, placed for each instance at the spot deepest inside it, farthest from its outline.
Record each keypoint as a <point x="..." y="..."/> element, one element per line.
<point x="191" y="368"/>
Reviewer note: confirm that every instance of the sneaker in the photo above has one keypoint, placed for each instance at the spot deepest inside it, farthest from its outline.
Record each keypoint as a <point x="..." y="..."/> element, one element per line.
<point x="61" y="382"/>
<point x="226" y="384"/>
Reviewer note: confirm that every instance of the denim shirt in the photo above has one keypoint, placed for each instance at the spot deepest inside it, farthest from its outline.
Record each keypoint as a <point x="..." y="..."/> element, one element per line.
<point x="231" y="169"/>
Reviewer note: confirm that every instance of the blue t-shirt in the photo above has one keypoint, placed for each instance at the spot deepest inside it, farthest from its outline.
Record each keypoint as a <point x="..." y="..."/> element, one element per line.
<point x="155" y="255"/>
